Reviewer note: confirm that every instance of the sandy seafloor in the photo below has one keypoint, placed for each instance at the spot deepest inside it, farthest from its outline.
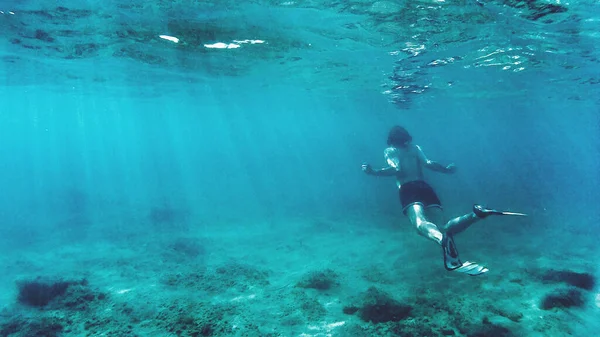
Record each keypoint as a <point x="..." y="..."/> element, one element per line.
<point x="218" y="280"/>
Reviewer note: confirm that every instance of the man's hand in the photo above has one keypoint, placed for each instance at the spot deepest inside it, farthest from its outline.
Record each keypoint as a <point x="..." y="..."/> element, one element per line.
<point x="451" y="168"/>
<point x="367" y="168"/>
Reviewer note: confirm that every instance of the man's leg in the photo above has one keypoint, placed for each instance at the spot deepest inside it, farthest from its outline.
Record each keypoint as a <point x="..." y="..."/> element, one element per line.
<point x="416" y="214"/>
<point x="461" y="223"/>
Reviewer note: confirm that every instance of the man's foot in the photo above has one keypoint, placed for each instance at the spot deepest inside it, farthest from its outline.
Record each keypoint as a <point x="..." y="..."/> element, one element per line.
<point x="451" y="260"/>
<point x="482" y="212"/>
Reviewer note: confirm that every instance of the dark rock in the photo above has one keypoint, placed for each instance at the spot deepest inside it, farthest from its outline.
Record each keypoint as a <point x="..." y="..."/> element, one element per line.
<point x="320" y="280"/>
<point x="379" y="307"/>
<point x="564" y="298"/>
<point x="580" y="280"/>
<point x="69" y="295"/>
<point x="40" y="293"/>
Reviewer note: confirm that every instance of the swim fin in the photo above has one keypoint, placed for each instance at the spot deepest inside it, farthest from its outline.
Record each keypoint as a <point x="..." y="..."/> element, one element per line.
<point x="472" y="268"/>
<point x="452" y="261"/>
<point x="482" y="212"/>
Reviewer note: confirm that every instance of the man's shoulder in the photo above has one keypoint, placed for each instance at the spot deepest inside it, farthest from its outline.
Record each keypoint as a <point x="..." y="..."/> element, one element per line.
<point x="416" y="150"/>
<point x="411" y="150"/>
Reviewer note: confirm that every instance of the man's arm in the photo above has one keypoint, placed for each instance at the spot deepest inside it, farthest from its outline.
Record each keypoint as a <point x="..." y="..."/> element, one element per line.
<point x="433" y="165"/>
<point x="384" y="172"/>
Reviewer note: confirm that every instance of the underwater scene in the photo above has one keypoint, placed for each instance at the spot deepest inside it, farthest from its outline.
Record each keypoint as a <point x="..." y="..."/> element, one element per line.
<point x="299" y="168"/>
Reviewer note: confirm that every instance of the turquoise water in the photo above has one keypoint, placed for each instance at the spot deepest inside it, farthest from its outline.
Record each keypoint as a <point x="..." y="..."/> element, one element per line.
<point x="169" y="152"/>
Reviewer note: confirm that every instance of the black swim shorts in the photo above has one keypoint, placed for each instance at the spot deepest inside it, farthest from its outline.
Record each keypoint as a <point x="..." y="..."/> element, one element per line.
<point x="418" y="192"/>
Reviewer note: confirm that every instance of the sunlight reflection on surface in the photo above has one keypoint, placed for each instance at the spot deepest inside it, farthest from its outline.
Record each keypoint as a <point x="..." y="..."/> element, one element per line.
<point x="169" y="38"/>
<point x="235" y="45"/>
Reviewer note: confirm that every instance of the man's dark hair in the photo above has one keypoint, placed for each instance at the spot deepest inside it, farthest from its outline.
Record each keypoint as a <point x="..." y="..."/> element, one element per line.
<point x="398" y="137"/>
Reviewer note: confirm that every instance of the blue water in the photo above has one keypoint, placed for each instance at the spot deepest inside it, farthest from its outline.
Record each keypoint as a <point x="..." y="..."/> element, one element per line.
<point x="111" y="134"/>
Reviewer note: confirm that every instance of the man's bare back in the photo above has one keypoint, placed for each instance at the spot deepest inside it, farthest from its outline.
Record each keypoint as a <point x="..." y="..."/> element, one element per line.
<point x="407" y="162"/>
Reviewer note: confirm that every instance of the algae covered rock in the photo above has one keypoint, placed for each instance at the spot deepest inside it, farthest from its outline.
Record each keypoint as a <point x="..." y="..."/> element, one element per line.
<point x="377" y="306"/>
<point x="57" y="294"/>
<point x="562" y="298"/>
<point x="320" y="280"/>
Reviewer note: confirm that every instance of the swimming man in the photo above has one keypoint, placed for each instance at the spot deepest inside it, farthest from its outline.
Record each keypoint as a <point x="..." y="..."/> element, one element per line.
<point x="406" y="162"/>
